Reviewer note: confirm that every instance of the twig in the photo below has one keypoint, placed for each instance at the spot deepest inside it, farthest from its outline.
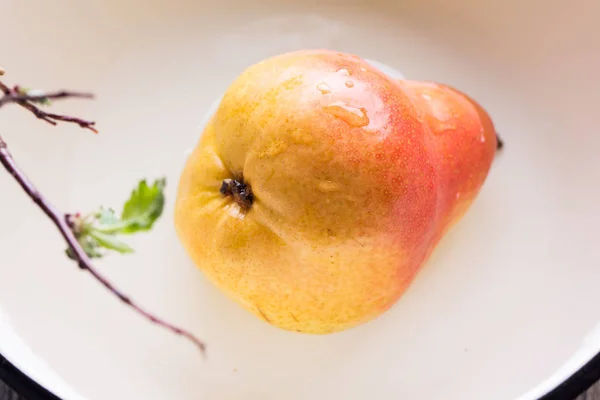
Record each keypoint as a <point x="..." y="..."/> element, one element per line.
<point x="12" y="96"/>
<point x="15" y="97"/>
<point x="62" y="223"/>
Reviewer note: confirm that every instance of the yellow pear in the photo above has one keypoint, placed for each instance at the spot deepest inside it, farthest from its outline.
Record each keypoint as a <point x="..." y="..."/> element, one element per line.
<point x="320" y="186"/>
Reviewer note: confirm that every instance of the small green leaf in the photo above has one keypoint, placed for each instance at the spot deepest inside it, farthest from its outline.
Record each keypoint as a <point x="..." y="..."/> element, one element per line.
<point x="107" y="216"/>
<point x="110" y="242"/>
<point x="144" y="206"/>
<point x="142" y="209"/>
<point x="70" y="254"/>
<point x="22" y="90"/>
<point x="90" y="246"/>
<point x="35" y="92"/>
<point x="98" y="231"/>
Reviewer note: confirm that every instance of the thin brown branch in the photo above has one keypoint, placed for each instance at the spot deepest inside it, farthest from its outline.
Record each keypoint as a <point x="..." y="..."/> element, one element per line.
<point x="60" y="220"/>
<point x="12" y="96"/>
<point x="57" y="117"/>
<point x="63" y="94"/>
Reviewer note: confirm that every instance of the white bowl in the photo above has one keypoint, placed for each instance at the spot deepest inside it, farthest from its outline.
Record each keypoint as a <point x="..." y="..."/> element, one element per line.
<point x="506" y="308"/>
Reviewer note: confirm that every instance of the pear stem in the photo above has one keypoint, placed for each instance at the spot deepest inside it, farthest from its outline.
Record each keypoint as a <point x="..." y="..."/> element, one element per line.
<point x="500" y="143"/>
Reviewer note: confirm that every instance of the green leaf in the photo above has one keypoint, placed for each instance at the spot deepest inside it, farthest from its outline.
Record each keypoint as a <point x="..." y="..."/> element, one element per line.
<point x="35" y="92"/>
<point x="22" y="90"/>
<point x="70" y="254"/>
<point x="144" y="207"/>
<point x="98" y="231"/>
<point x="89" y="245"/>
<point x="107" y="216"/>
<point x="110" y="242"/>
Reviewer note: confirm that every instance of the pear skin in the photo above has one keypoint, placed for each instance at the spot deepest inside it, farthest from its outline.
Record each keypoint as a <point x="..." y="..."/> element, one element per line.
<point x="320" y="186"/>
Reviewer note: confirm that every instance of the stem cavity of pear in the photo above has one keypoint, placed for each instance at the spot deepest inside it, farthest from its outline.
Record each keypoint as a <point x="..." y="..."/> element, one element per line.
<point x="239" y="191"/>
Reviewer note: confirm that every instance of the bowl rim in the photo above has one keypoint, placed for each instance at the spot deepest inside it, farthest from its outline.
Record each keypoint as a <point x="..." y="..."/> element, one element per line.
<point x="574" y="385"/>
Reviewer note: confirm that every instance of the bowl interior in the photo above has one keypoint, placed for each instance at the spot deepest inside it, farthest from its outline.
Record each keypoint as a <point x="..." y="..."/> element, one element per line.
<point x="507" y="297"/>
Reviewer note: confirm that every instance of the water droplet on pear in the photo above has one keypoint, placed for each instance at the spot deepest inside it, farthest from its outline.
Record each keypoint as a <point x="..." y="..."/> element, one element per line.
<point x="353" y="116"/>
<point x="343" y="72"/>
<point x="324" y="88"/>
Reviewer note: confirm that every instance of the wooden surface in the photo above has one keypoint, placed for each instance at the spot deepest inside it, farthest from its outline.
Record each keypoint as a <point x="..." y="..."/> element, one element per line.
<point x="592" y="394"/>
<point x="7" y="394"/>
